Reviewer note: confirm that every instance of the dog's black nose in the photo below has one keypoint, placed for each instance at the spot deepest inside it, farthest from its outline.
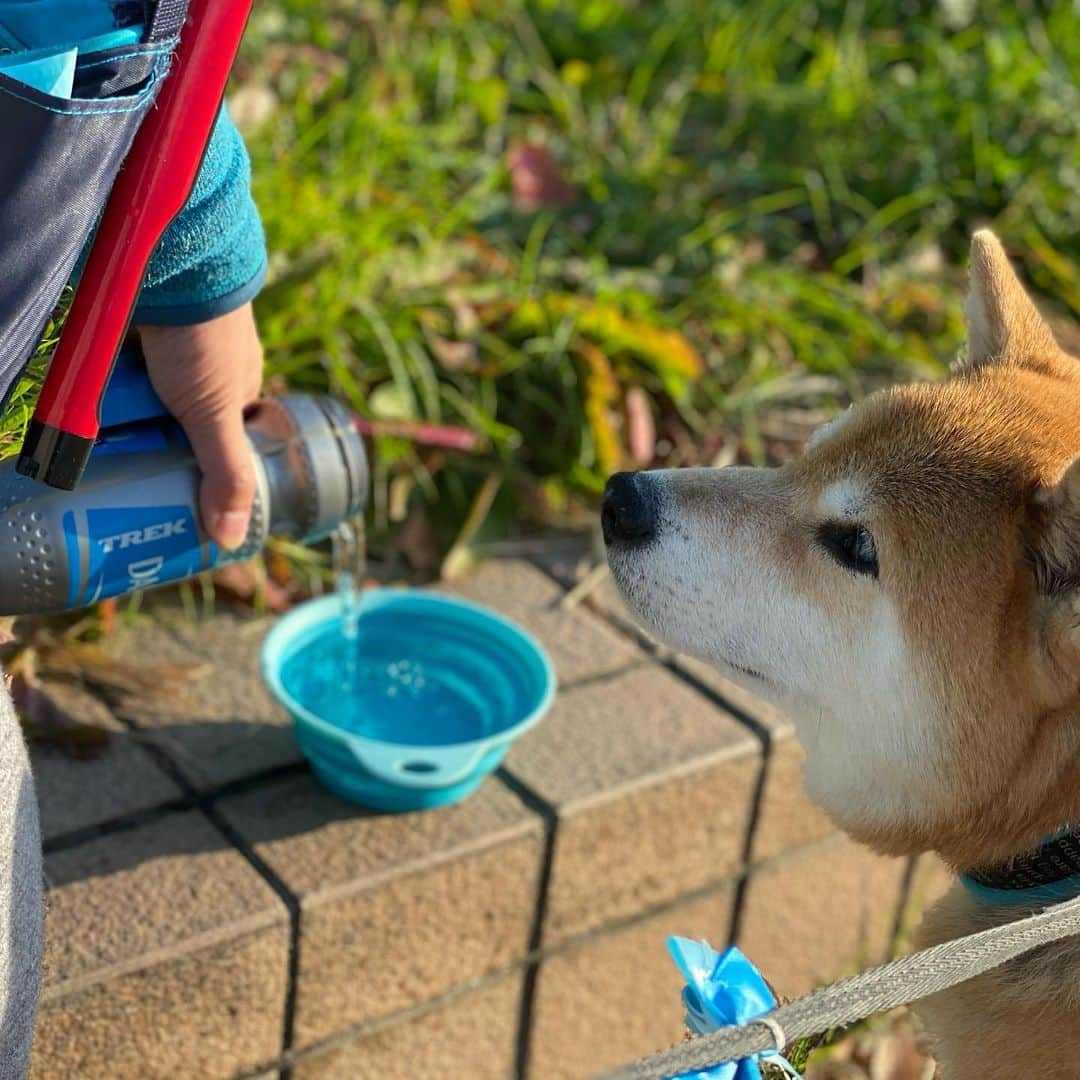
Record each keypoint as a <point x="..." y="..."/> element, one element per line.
<point x="630" y="512"/>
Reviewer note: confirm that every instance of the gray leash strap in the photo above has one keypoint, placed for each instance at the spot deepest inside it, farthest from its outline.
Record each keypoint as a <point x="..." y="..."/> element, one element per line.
<point x="873" y="991"/>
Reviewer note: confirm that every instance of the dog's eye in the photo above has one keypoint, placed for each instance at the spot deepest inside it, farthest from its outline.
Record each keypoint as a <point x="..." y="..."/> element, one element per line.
<point x="851" y="546"/>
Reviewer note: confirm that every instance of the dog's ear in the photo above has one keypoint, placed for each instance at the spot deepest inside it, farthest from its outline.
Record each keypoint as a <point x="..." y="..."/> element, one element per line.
<point x="1057" y="549"/>
<point x="1055" y="555"/>
<point x="1002" y="322"/>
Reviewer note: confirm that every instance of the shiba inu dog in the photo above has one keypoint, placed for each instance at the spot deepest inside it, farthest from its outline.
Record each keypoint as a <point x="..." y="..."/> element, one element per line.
<point x="909" y="592"/>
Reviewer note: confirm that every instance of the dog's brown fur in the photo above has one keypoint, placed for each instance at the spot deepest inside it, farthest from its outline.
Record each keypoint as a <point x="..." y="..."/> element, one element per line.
<point x="971" y="488"/>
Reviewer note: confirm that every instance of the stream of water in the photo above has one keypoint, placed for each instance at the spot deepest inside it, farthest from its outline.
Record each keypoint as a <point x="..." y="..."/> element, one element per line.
<point x="349" y="558"/>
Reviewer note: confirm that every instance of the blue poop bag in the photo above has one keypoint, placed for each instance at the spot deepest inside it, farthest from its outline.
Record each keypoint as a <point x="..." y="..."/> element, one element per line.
<point x="722" y="989"/>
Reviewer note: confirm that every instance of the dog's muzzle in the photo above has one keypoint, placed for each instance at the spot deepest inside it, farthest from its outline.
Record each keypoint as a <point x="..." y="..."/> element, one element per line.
<point x="631" y="510"/>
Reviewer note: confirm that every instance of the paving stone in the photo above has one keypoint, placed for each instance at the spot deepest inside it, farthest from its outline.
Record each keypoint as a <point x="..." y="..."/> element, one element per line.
<point x="395" y="908"/>
<point x="616" y="997"/>
<point x="931" y="879"/>
<point x="166" y="955"/>
<point x="652" y="784"/>
<point x="821" y="912"/>
<point x="473" y="1035"/>
<point x="580" y="645"/>
<point x="218" y="724"/>
<point x="570" y="568"/>
<point x="78" y="793"/>
<point x="569" y="559"/>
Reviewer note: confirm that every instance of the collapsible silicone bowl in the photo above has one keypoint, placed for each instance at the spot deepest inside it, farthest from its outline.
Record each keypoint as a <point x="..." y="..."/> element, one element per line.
<point x="395" y="759"/>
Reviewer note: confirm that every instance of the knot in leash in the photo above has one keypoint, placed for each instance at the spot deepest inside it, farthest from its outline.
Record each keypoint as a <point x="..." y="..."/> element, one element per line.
<point x="746" y="1038"/>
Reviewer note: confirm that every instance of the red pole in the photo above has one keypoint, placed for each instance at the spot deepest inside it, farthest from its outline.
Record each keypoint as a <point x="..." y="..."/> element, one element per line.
<point x="150" y="190"/>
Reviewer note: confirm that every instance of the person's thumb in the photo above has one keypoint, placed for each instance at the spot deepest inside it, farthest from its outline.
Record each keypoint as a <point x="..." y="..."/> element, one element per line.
<point x="228" y="475"/>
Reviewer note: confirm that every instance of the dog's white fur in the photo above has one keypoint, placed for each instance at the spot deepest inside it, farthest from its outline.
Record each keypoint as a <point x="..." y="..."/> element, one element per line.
<point x="712" y="588"/>
<point x="939" y="702"/>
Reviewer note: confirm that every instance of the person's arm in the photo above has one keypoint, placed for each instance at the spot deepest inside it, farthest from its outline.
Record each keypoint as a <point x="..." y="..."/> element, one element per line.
<point x="212" y="258"/>
<point x="197" y="328"/>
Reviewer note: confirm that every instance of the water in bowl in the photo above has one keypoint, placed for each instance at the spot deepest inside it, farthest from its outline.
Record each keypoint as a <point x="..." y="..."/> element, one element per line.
<point x="390" y="682"/>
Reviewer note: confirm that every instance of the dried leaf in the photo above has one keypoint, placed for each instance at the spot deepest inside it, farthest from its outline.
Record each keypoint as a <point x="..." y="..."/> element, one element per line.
<point x="107" y="616"/>
<point x="536" y="180"/>
<point x="753" y="251"/>
<point x="278" y="567"/>
<point x="94" y="666"/>
<point x="416" y="540"/>
<point x="466" y="319"/>
<point x="251" y="106"/>
<point x="458" y="563"/>
<point x="276" y="385"/>
<point x="44" y="719"/>
<point x="459" y="558"/>
<point x="640" y="428"/>
<point x="490" y="257"/>
<point x="246" y="581"/>
<point x="453" y="355"/>
<point x="926" y="261"/>
<point x="896" y="1057"/>
<point x="886" y="1048"/>
<point x="398" y="497"/>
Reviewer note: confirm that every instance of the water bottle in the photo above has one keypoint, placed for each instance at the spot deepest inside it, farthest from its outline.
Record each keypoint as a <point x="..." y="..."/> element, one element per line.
<point x="133" y="520"/>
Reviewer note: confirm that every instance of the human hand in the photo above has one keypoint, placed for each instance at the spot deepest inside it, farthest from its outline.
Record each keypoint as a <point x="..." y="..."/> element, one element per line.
<point x="207" y="375"/>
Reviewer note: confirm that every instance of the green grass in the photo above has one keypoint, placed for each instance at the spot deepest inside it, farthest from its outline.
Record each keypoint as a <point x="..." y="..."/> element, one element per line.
<point x="771" y="209"/>
<point x="24" y="395"/>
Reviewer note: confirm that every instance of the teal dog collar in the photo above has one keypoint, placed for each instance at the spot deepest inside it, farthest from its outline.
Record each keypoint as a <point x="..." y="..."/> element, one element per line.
<point x="1048" y="875"/>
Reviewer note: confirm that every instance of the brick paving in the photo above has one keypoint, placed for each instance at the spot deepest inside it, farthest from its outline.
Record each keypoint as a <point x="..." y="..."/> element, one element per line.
<point x="214" y="913"/>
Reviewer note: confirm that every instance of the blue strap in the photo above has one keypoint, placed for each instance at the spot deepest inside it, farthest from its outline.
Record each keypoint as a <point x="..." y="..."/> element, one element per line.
<point x="1047" y="875"/>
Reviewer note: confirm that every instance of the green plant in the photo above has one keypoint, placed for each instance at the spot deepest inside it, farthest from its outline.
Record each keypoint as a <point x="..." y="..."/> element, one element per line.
<point x="603" y="233"/>
<point x="24" y="395"/>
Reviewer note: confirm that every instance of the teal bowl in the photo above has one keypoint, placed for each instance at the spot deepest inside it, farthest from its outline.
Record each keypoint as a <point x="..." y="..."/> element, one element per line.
<point x="420" y="709"/>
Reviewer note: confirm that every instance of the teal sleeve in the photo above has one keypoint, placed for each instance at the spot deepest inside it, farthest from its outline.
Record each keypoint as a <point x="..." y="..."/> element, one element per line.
<point x="212" y="258"/>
